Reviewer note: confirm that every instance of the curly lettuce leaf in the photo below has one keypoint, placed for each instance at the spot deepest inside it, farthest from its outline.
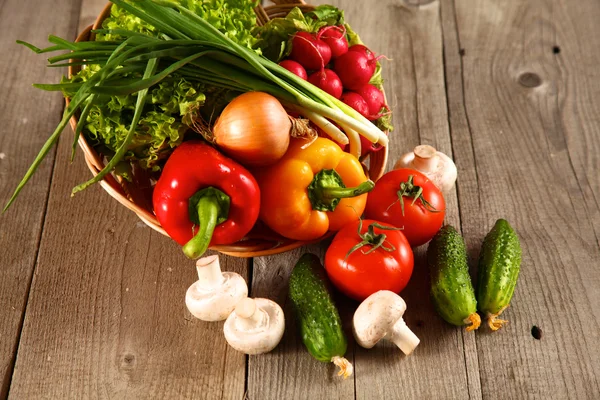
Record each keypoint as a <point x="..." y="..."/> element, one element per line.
<point x="174" y="104"/>
<point x="121" y="19"/>
<point x="235" y="18"/>
<point x="171" y="108"/>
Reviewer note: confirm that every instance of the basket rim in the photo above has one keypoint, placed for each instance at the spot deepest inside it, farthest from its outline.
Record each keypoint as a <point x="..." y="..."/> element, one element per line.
<point x="121" y="191"/>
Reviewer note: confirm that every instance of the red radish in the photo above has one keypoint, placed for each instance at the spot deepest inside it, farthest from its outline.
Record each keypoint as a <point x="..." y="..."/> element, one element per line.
<point x="335" y="37"/>
<point x="354" y="69"/>
<point x="368" y="147"/>
<point x="295" y="68"/>
<point x="355" y="101"/>
<point x="328" y="81"/>
<point x="364" y="50"/>
<point x="309" y="51"/>
<point x="373" y="97"/>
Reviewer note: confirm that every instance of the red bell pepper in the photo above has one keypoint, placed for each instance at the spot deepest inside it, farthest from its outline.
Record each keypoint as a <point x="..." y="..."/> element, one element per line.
<point x="204" y="198"/>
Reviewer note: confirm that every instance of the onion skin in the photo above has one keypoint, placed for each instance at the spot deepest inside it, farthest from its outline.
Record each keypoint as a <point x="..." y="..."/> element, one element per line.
<point x="254" y="129"/>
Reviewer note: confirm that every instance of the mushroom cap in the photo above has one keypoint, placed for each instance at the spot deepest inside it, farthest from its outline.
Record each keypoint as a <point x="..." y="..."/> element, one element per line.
<point x="255" y="337"/>
<point x="215" y="304"/>
<point x="376" y="316"/>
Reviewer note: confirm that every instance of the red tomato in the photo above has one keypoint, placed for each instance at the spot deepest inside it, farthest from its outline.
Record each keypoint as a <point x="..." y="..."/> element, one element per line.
<point x="373" y="266"/>
<point x="424" y="206"/>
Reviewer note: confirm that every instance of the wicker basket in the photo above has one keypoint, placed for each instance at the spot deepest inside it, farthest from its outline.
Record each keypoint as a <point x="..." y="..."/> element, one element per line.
<point x="261" y="240"/>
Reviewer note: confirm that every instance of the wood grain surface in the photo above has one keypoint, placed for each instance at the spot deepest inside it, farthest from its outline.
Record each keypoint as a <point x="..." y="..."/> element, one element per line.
<point x="91" y="300"/>
<point x="25" y="124"/>
<point x="520" y="98"/>
<point x="106" y="316"/>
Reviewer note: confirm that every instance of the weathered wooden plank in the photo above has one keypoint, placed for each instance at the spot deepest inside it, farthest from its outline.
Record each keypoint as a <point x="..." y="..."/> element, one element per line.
<point x="289" y="372"/>
<point x="106" y="316"/>
<point x="525" y="114"/>
<point x="27" y="116"/>
<point x="415" y="89"/>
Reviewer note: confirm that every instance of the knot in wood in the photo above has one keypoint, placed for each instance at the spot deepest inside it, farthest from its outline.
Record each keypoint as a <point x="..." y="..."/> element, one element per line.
<point x="128" y="361"/>
<point x="530" y="80"/>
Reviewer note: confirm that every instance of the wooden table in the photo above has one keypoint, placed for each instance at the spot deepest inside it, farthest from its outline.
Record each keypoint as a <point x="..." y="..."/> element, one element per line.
<point x="91" y="299"/>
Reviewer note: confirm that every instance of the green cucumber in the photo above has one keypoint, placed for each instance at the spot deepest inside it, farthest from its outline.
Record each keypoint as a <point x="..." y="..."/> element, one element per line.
<point x="499" y="265"/>
<point x="452" y="293"/>
<point x="319" y="320"/>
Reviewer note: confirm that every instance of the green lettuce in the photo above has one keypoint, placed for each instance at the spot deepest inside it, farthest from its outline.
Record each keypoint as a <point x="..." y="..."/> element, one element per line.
<point x="172" y="106"/>
<point x="235" y="18"/>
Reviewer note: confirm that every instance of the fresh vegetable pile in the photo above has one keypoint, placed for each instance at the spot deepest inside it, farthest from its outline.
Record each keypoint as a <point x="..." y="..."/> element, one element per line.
<point x="169" y="57"/>
<point x="236" y="123"/>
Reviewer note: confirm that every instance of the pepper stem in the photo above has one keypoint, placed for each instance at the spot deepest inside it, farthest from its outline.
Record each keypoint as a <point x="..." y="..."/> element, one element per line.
<point x="327" y="188"/>
<point x="207" y="208"/>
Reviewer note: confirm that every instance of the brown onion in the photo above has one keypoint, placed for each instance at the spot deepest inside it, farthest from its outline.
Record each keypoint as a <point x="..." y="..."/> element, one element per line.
<point x="254" y="129"/>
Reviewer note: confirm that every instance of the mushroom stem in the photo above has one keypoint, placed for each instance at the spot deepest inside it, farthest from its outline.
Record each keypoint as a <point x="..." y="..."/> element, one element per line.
<point x="425" y="159"/>
<point x="403" y="337"/>
<point x="209" y="272"/>
<point x="251" y="316"/>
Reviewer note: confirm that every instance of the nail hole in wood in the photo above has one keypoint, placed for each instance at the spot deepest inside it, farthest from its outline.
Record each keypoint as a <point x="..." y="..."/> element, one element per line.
<point x="530" y="80"/>
<point x="461" y="52"/>
<point x="536" y="332"/>
<point x="556" y="49"/>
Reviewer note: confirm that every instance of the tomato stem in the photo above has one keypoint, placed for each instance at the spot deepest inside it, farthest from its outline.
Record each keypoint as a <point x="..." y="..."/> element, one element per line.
<point x="409" y="189"/>
<point x="370" y="238"/>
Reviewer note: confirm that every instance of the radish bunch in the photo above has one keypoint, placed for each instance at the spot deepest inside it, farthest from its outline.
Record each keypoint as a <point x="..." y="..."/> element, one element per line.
<point x="347" y="79"/>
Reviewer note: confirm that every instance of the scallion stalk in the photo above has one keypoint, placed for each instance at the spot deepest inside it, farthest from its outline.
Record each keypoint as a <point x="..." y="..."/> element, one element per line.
<point x="191" y="47"/>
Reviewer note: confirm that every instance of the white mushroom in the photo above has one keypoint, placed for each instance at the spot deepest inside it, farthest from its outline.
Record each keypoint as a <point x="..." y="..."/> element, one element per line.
<point x="435" y="165"/>
<point x="214" y="296"/>
<point x="380" y="316"/>
<point x="255" y="327"/>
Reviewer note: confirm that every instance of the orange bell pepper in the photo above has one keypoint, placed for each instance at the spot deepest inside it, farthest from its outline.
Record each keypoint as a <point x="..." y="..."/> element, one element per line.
<point x="305" y="193"/>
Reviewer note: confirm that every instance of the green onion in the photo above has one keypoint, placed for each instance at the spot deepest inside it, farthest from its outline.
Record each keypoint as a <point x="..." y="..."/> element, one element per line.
<point x="196" y="50"/>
